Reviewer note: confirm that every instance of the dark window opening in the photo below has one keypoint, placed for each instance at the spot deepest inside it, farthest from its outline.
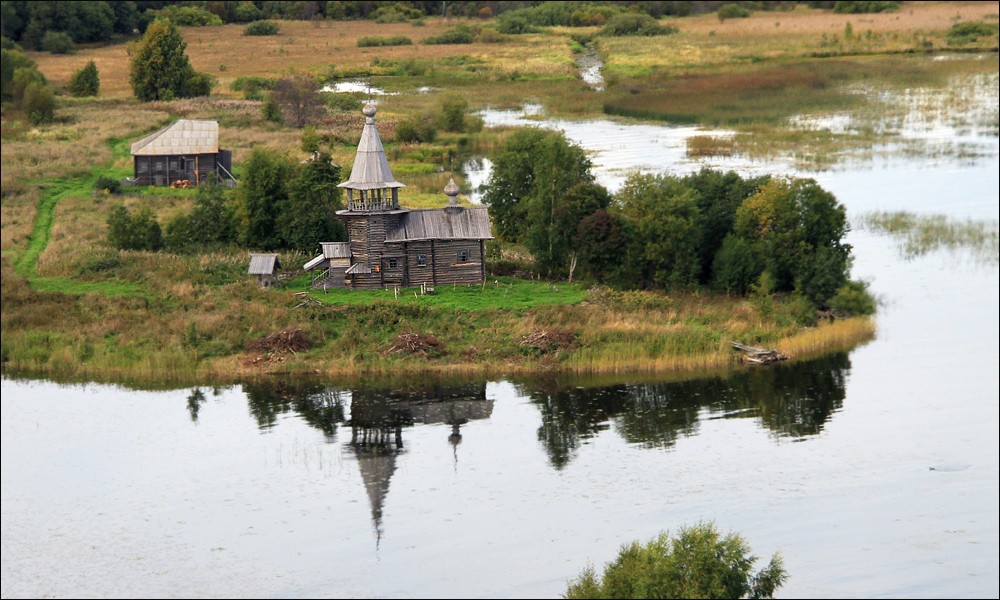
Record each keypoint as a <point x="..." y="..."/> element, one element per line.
<point x="463" y="256"/>
<point x="393" y="263"/>
<point x="421" y="260"/>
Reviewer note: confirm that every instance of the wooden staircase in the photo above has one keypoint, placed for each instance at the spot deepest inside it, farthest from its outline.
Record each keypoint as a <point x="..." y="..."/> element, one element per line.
<point x="329" y="282"/>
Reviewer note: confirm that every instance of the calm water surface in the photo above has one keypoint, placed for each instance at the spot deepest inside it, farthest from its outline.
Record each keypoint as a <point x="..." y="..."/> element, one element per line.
<point x="876" y="473"/>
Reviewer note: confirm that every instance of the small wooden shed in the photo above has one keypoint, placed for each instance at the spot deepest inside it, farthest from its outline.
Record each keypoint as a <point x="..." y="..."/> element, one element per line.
<point x="186" y="150"/>
<point x="265" y="267"/>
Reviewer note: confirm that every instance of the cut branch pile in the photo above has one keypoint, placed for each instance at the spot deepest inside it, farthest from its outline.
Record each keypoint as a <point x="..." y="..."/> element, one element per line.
<point x="282" y="342"/>
<point x="181" y="184"/>
<point x="547" y="340"/>
<point x="758" y="356"/>
<point x="415" y="343"/>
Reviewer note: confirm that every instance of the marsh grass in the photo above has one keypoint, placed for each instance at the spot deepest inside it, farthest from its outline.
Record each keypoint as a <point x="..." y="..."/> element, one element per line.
<point x="918" y="235"/>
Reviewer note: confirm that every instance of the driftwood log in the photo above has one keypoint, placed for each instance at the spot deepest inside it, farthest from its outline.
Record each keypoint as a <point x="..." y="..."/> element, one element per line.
<point x="758" y="356"/>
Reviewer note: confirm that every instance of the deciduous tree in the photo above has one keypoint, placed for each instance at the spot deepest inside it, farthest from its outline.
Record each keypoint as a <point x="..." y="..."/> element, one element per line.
<point x="799" y="228"/>
<point x="698" y="562"/>
<point x="309" y="216"/>
<point x="298" y="97"/>
<point x="160" y="68"/>
<point x="262" y="190"/>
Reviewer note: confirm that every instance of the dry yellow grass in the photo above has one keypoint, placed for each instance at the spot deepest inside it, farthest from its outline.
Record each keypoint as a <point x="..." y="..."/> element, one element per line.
<point x="311" y="46"/>
<point x="704" y="41"/>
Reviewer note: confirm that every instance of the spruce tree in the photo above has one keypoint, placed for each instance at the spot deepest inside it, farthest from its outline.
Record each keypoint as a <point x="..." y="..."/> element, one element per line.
<point x="86" y="81"/>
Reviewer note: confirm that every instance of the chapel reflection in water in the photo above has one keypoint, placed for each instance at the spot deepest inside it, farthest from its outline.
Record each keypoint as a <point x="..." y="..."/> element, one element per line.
<point x="790" y="401"/>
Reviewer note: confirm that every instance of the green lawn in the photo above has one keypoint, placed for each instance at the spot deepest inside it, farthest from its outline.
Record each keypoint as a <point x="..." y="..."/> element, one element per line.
<point x="498" y="293"/>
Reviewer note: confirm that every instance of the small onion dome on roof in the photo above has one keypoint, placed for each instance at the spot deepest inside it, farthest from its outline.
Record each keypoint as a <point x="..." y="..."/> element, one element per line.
<point x="451" y="190"/>
<point x="369" y="110"/>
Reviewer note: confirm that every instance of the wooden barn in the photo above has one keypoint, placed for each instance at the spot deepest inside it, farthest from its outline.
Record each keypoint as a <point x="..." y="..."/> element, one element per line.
<point x="265" y="267"/>
<point x="185" y="151"/>
<point x="390" y="246"/>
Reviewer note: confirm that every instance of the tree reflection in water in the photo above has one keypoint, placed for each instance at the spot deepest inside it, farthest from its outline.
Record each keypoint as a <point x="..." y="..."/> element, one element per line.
<point x="790" y="400"/>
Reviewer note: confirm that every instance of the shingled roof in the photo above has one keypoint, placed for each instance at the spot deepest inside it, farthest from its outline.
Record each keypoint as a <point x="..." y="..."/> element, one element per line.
<point x="185" y="136"/>
<point x="442" y="224"/>
<point x="264" y="264"/>
<point x="371" y="168"/>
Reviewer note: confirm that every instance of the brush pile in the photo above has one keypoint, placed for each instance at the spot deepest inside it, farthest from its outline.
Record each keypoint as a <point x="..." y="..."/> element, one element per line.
<point x="415" y="343"/>
<point x="282" y="342"/>
<point x="547" y="340"/>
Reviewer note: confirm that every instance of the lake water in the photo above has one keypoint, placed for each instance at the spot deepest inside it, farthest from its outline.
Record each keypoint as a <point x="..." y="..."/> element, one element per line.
<point x="875" y="473"/>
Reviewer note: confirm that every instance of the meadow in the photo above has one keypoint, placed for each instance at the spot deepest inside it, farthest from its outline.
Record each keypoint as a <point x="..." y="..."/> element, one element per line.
<point x="73" y="305"/>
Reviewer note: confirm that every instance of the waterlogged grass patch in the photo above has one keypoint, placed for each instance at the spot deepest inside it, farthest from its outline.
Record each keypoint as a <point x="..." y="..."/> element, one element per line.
<point x="922" y="234"/>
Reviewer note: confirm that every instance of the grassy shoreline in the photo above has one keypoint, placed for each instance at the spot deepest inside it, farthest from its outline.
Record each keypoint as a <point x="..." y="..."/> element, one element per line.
<point x="825" y="339"/>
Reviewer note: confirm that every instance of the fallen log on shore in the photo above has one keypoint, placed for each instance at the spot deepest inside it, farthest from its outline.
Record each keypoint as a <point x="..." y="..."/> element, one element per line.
<point x="758" y="356"/>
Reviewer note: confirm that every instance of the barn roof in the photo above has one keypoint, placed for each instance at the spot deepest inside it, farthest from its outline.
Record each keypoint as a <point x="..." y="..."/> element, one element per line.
<point x="454" y="223"/>
<point x="264" y="264"/>
<point x="371" y="168"/>
<point x="185" y="136"/>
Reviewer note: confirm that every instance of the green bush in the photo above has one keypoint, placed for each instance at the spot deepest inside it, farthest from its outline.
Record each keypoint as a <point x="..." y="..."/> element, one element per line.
<point x="138" y="232"/>
<point x="968" y="32"/>
<point x="697" y="563"/>
<point x="415" y="129"/>
<point x="737" y="266"/>
<point x="451" y="113"/>
<point x="732" y="11"/>
<point x="864" y="7"/>
<point x="396" y="12"/>
<point x="246" y="12"/>
<point x="58" y="42"/>
<point x="409" y="67"/>
<point x="39" y="103"/>
<point x="198" y="84"/>
<point x="188" y="16"/>
<point x="635" y="24"/>
<point x="253" y="88"/>
<point x="490" y="36"/>
<point x="351" y="103"/>
<point x="853" y="298"/>
<point x="515" y="25"/>
<point x="261" y="28"/>
<point x="86" y="81"/>
<point x="107" y="184"/>
<point x="271" y="111"/>
<point x="455" y="35"/>
<point x="375" y="42"/>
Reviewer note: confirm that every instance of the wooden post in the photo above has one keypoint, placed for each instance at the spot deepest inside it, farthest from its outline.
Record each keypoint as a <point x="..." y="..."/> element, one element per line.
<point x="197" y="171"/>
